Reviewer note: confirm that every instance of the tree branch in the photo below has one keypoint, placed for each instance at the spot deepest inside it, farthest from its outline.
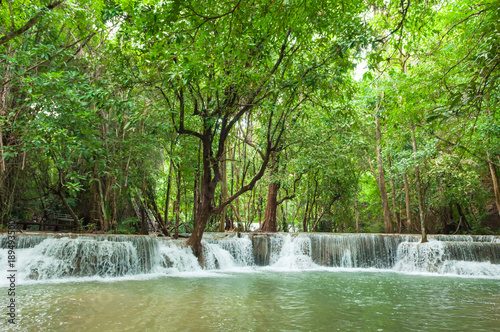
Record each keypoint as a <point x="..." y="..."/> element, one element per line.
<point x="28" y="24"/>
<point x="462" y="147"/>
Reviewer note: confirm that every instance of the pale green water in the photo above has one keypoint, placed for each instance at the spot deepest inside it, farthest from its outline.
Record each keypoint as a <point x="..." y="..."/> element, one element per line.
<point x="264" y="301"/>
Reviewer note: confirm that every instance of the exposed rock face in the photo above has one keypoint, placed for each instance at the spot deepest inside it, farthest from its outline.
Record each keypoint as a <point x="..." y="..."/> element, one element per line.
<point x="261" y="244"/>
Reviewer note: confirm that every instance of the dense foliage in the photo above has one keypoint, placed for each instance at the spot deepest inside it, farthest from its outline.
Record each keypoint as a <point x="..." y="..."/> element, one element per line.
<point x="185" y="116"/>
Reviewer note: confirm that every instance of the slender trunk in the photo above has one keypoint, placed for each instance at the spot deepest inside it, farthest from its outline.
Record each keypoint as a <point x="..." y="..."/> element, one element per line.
<point x="223" y="217"/>
<point x="463" y="218"/>
<point x="152" y="201"/>
<point x="381" y="180"/>
<point x="407" y="200"/>
<point x="356" y="212"/>
<point x="343" y="221"/>
<point x="419" y="186"/>
<point x="68" y="208"/>
<point x="304" y="221"/>
<point x="2" y="160"/>
<point x="260" y="212"/>
<point x="144" y="220"/>
<point x="105" y="225"/>
<point x="395" y="212"/>
<point x="313" y="204"/>
<point x="177" y="203"/>
<point x="237" y="181"/>
<point x="236" y="214"/>
<point x="494" y="179"/>
<point x="167" y="196"/>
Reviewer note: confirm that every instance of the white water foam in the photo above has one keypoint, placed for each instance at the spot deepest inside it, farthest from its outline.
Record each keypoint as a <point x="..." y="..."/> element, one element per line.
<point x="432" y="258"/>
<point x="295" y="255"/>
<point x="175" y="258"/>
<point x="97" y="259"/>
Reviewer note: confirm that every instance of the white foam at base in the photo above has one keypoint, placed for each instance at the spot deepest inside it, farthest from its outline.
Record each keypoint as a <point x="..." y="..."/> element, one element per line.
<point x="295" y="254"/>
<point x="430" y="258"/>
<point x="86" y="259"/>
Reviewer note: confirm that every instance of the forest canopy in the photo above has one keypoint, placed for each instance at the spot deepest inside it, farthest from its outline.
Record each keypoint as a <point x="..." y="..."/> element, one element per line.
<point x="135" y="116"/>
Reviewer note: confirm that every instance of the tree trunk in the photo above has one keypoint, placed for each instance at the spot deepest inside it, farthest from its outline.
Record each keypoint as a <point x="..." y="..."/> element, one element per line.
<point x="177" y="203"/>
<point x="494" y="179"/>
<point x="419" y="186"/>
<point x="144" y="220"/>
<point x="236" y="204"/>
<point x="223" y="194"/>
<point x="463" y="218"/>
<point x="154" y="206"/>
<point x="407" y="200"/>
<point x="200" y="223"/>
<point x="169" y="187"/>
<point x="356" y="212"/>
<point x="68" y="208"/>
<point x="381" y="180"/>
<point x="269" y="224"/>
<point x="395" y="212"/>
<point x="304" y="221"/>
<point x="105" y="226"/>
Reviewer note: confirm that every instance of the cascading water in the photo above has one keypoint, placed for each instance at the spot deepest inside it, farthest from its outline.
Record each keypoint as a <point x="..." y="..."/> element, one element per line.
<point x="357" y="250"/>
<point x="175" y="257"/>
<point x="455" y="258"/>
<point x="294" y="254"/>
<point x="46" y="257"/>
<point x="59" y="258"/>
<point x="240" y="250"/>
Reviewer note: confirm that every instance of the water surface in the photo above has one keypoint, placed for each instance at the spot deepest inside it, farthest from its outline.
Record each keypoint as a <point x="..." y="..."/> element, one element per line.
<point x="263" y="300"/>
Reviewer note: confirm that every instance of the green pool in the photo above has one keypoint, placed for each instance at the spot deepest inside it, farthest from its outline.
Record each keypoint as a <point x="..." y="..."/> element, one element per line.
<point x="261" y="300"/>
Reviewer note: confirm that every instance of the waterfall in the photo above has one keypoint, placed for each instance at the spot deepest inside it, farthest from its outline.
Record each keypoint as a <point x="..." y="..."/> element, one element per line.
<point x="240" y="249"/>
<point x="294" y="254"/>
<point x="60" y="256"/>
<point x="357" y="250"/>
<point x="176" y="255"/>
<point x="456" y="258"/>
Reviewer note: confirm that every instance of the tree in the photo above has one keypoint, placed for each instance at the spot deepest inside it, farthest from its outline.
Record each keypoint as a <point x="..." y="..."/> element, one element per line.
<point x="222" y="62"/>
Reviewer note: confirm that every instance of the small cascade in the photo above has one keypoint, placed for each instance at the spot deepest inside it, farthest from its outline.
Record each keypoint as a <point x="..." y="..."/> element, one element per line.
<point x="216" y="258"/>
<point x="466" y="238"/>
<point x="146" y="246"/>
<point x="357" y="250"/>
<point x="240" y="249"/>
<point x="458" y="258"/>
<point x="61" y="258"/>
<point x="177" y="256"/>
<point x="295" y="254"/>
<point x="24" y="241"/>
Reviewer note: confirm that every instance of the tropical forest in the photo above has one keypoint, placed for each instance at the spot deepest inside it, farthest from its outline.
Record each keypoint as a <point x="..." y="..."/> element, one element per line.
<point x="188" y="160"/>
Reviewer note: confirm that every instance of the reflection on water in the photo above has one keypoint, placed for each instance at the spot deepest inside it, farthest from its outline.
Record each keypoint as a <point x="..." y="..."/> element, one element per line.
<point x="265" y="301"/>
